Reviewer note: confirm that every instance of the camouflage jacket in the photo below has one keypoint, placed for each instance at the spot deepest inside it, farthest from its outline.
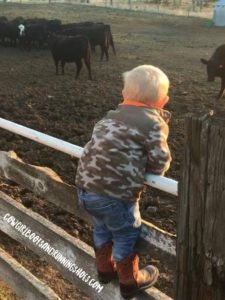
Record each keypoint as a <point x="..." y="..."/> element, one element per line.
<point x="125" y="144"/>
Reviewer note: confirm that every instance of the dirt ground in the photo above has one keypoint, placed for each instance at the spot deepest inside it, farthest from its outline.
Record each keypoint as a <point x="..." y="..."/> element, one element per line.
<point x="32" y="95"/>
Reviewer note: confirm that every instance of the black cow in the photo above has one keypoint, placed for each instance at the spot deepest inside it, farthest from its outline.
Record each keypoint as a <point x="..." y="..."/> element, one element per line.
<point x="107" y="29"/>
<point x="53" y="26"/>
<point x="216" y="67"/>
<point x="36" y="31"/>
<point x="33" y="34"/>
<point x="96" y="34"/>
<point x="2" y="31"/>
<point x="69" y="49"/>
<point x="9" y="33"/>
<point x="67" y="26"/>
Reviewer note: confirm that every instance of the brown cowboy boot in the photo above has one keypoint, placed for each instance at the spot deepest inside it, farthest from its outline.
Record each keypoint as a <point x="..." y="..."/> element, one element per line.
<point x="132" y="279"/>
<point x="105" y="264"/>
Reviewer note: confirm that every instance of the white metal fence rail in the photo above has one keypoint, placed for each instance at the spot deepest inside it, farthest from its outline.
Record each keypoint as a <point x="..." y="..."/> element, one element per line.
<point x="163" y="183"/>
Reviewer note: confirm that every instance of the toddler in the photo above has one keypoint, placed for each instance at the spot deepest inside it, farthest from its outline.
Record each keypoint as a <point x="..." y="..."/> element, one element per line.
<point x="125" y="144"/>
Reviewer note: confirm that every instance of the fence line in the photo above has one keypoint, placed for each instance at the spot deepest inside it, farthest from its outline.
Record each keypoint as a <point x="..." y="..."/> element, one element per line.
<point x="195" y="8"/>
<point x="165" y="184"/>
<point x="46" y="184"/>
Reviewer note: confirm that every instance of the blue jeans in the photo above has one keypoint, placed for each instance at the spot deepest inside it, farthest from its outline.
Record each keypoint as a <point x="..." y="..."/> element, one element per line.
<point x="115" y="221"/>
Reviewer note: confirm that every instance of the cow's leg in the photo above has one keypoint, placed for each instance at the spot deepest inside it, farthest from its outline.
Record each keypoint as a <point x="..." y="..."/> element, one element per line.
<point x="222" y="87"/>
<point x="107" y="53"/>
<point x="79" y="66"/>
<point x="88" y="65"/>
<point x="22" y="43"/>
<point x="7" y="42"/>
<point x="56" y="66"/>
<point x="40" y="44"/>
<point x="15" y="42"/>
<point x="92" y="49"/>
<point x="62" y="66"/>
<point x="112" y="43"/>
<point x="29" y="43"/>
<point x="102" y="52"/>
<point x="216" y="102"/>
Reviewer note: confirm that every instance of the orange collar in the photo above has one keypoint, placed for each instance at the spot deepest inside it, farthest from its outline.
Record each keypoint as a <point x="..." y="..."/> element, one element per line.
<point x="163" y="113"/>
<point x="134" y="103"/>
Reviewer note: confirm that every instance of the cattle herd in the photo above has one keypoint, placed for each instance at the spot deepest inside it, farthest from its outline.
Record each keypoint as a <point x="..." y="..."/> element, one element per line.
<point x="73" y="42"/>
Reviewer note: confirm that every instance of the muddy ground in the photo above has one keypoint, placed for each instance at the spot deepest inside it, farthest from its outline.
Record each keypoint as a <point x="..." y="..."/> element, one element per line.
<point x="32" y="95"/>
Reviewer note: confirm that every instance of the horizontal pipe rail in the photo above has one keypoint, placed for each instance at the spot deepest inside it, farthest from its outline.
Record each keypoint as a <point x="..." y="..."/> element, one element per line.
<point x="162" y="183"/>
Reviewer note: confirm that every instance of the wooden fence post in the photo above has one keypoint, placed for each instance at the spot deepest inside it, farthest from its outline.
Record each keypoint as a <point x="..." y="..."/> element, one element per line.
<point x="201" y="229"/>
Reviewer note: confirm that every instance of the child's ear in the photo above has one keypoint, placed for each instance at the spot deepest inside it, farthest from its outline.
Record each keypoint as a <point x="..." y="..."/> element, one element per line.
<point x="167" y="98"/>
<point x="164" y="101"/>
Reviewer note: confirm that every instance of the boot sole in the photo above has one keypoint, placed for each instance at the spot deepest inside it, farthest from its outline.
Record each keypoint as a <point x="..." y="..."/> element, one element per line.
<point x="133" y="294"/>
<point x="106" y="278"/>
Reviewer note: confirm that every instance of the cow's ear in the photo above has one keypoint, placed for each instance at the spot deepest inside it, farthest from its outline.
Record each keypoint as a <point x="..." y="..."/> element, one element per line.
<point x="204" y="61"/>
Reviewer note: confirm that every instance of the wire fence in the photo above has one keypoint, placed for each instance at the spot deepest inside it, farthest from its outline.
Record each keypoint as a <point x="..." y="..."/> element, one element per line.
<point x="202" y="8"/>
<point x="197" y="8"/>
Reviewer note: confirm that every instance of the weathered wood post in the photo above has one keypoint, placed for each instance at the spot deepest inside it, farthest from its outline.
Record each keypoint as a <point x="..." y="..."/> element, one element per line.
<point x="129" y="3"/>
<point x="201" y="221"/>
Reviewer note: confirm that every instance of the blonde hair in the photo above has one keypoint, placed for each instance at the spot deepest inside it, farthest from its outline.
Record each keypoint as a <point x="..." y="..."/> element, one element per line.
<point x="145" y="83"/>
